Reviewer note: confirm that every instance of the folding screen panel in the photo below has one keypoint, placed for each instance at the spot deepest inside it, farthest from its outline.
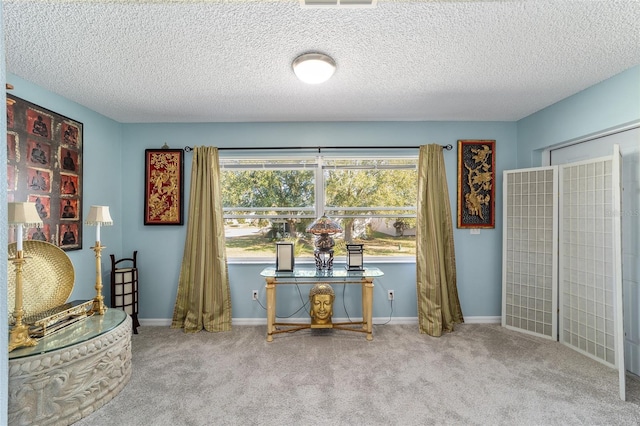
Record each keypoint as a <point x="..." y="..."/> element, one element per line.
<point x="571" y="265"/>
<point x="529" y="274"/>
<point x="616" y="180"/>
<point x="589" y="264"/>
<point x="586" y="240"/>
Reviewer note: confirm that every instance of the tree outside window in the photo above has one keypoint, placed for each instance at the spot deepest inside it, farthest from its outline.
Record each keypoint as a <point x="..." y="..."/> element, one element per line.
<point x="268" y="200"/>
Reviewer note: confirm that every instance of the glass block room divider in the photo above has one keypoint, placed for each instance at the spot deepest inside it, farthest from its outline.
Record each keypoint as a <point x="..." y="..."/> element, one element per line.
<point x="561" y="273"/>
<point x="586" y="241"/>
<point x="529" y="291"/>
<point x="590" y="273"/>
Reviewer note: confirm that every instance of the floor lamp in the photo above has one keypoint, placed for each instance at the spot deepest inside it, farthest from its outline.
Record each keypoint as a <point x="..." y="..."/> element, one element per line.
<point x="20" y="215"/>
<point x="98" y="216"/>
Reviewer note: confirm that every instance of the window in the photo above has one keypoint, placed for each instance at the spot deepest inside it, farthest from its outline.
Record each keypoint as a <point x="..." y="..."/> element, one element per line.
<point x="267" y="200"/>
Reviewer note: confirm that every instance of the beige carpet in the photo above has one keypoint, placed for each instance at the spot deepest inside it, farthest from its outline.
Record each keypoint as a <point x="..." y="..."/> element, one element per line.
<point x="478" y="375"/>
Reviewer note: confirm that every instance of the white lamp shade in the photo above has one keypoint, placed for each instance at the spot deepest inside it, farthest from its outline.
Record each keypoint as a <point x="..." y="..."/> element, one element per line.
<point x="23" y="214"/>
<point x="314" y="68"/>
<point x="99" y="215"/>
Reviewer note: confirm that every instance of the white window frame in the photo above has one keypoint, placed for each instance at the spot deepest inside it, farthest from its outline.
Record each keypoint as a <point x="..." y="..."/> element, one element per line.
<point x="319" y="208"/>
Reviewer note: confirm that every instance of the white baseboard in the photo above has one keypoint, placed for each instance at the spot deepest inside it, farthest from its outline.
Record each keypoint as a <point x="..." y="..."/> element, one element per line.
<point x="483" y="320"/>
<point x="165" y="322"/>
<point x="155" y="322"/>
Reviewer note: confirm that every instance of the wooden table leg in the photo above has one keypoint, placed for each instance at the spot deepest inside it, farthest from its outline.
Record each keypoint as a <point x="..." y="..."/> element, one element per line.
<point x="367" y="306"/>
<point x="271" y="307"/>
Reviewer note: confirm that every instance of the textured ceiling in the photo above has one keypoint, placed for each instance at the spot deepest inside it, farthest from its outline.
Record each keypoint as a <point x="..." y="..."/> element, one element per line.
<point x="230" y="61"/>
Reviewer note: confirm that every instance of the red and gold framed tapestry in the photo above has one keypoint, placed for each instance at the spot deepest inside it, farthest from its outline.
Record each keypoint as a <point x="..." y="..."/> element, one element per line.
<point x="476" y="183"/>
<point x="44" y="166"/>
<point x="163" y="187"/>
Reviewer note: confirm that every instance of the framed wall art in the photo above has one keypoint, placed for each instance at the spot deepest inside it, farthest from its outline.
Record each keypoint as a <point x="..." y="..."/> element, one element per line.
<point x="163" y="187"/>
<point x="476" y="183"/>
<point x="44" y="166"/>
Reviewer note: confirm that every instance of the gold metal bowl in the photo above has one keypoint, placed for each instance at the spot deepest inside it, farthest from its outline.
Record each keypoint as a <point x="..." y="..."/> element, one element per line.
<point x="47" y="277"/>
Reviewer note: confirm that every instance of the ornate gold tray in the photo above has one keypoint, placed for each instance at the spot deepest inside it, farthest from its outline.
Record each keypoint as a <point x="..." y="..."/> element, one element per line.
<point x="47" y="278"/>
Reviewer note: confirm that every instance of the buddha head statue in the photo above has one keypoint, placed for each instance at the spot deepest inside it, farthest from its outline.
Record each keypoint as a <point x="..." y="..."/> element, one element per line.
<point x="321" y="297"/>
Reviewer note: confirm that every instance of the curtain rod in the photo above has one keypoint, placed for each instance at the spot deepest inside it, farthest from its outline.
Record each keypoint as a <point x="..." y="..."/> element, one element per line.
<point x="448" y="147"/>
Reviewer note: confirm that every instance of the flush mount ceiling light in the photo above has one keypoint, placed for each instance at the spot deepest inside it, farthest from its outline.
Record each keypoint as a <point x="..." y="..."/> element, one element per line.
<point x="314" y="68"/>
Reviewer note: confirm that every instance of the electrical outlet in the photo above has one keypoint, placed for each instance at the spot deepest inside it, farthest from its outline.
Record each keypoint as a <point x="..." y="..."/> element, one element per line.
<point x="391" y="295"/>
<point x="254" y="294"/>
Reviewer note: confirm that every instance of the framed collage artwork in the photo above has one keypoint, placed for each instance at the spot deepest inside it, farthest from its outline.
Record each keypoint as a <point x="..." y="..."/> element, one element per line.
<point x="44" y="166"/>
<point x="163" y="187"/>
<point x="476" y="183"/>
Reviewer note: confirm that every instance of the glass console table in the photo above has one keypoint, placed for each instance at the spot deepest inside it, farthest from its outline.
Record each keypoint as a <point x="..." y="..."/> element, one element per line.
<point x="313" y="276"/>
<point x="72" y="372"/>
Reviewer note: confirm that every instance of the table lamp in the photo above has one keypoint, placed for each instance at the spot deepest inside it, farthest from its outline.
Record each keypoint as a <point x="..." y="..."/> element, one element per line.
<point x="324" y="228"/>
<point x="354" y="257"/>
<point x="20" y="215"/>
<point x="285" y="259"/>
<point x="98" y="216"/>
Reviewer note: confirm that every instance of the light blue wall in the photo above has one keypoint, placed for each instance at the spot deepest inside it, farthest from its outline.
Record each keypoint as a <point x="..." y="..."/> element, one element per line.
<point x="102" y="181"/>
<point x="114" y="175"/>
<point x="609" y="104"/>
<point x="160" y="248"/>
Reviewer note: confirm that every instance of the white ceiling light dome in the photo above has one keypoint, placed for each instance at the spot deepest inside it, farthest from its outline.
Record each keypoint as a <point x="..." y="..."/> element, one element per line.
<point x="314" y="68"/>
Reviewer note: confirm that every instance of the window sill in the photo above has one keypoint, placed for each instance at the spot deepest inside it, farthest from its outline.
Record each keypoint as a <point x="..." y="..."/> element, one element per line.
<point x="309" y="262"/>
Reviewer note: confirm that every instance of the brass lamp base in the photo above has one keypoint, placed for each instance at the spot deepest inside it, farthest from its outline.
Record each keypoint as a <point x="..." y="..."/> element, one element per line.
<point x="19" y="334"/>
<point x="98" y="306"/>
<point x="98" y="302"/>
<point x="19" y="337"/>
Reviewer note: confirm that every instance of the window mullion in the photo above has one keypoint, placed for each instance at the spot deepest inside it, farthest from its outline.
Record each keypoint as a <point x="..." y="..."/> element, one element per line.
<point x="319" y="187"/>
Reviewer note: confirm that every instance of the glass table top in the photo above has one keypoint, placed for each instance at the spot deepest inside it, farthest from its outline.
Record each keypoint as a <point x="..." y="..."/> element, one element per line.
<point x="338" y="272"/>
<point x="78" y="332"/>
